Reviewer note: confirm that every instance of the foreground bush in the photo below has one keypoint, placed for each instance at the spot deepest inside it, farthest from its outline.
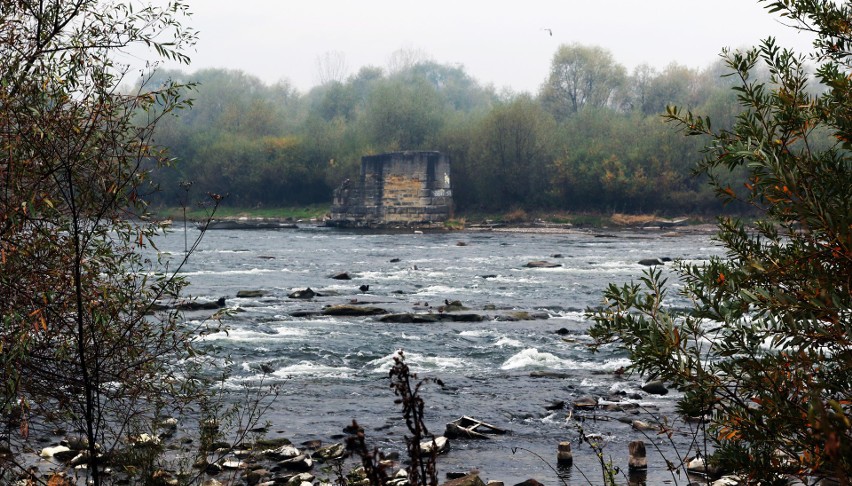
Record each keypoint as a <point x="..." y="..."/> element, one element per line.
<point x="764" y="350"/>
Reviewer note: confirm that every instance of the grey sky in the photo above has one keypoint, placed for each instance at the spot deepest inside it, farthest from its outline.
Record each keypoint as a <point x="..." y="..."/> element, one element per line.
<point x="498" y="42"/>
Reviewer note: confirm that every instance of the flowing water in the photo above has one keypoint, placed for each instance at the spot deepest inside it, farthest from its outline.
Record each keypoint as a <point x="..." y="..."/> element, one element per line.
<point x="334" y="370"/>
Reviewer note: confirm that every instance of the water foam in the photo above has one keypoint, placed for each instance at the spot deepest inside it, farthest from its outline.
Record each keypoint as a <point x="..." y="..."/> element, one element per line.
<point x="248" y="335"/>
<point x="418" y="362"/>
<point x="506" y="341"/>
<point x="253" y="271"/>
<point x="532" y="358"/>
<point x="314" y="370"/>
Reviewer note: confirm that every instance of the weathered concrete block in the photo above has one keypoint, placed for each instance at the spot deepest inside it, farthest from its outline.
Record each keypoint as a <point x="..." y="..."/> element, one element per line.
<point x="398" y="187"/>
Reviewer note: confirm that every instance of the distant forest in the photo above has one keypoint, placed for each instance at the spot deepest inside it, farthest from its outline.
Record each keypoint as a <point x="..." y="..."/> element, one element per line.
<point x="591" y="139"/>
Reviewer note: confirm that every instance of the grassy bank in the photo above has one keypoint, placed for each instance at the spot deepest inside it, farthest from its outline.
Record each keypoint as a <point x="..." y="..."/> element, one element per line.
<point x="461" y="220"/>
<point x="580" y="220"/>
<point x="294" y="213"/>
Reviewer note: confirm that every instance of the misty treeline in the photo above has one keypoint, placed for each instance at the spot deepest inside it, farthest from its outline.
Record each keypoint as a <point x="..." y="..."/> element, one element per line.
<point x="592" y="138"/>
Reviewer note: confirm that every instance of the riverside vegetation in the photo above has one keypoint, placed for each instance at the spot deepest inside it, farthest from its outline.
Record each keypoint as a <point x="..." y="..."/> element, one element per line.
<point x="567" y="146"/>
<point x="764" y="351"/>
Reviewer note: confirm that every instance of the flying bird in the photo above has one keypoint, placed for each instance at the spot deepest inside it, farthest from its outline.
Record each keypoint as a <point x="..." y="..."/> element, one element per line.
<point x="549" y="32"/>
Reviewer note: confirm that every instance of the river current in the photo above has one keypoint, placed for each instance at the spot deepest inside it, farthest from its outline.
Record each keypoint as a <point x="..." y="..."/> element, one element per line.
<point x="332" y="370"/>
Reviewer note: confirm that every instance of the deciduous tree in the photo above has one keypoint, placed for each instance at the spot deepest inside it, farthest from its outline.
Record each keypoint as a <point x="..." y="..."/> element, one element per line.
<point x="81" y="346"/>
<point x="581" y="76"/>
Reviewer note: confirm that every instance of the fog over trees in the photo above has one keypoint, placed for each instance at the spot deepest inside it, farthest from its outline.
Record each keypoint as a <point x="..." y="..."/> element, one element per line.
<point x="591" y="138"/>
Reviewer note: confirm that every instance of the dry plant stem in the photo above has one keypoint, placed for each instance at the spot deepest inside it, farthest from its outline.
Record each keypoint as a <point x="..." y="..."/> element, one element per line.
<point x="375" y="470"/>
<point x="421" y="472"/>
<point x="516" y="449"/>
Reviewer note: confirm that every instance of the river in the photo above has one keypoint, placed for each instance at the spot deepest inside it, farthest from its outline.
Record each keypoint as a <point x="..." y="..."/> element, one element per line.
<point x="333" y="370"/>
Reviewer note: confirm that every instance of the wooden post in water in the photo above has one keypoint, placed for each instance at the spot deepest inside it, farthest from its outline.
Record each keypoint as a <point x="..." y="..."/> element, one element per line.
<point x="564" y="456"/>
<point x="637" y="461"/>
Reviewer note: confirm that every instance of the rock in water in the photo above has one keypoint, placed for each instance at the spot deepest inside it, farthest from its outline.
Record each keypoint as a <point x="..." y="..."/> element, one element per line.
<point x="303" y="294"/>
<point x="283" y="452"/>
<point x="353" y="310"/>
<point x="52" y="452"/>
<point x="529" y="482"/>
<point x="341" y="276"/>
<point x="556" y="405"/>
<point x="333" y="451"/>
<point x="441" y="442"/>
<point x="655" y="388"/>
<point x="301" y="463"/>
<point x="472" y="479"/>
<point x="542" y="264"/>
<point x="651" y="262"/>
<point x="244" y="294"/>
<point x="641" y="425"/>
<point x="587" y="402"/>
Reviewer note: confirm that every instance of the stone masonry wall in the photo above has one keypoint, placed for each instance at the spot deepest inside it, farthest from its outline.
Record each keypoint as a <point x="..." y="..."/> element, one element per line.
<point x="395" y="188"/>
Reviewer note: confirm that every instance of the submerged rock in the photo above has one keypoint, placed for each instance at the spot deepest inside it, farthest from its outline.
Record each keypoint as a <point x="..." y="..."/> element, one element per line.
<point x="303" y="294"/>
<point x="60" y="453"/>
<point x="452" y="306"/>
<point x="463" y="317"/>
<point x="418" y="318"/>
<point x="334" y="451"/>
<point x="555" y="405"/>
<point x="522" y="316"/>
<point x="353" y="310"/>
<point x="655" y="388"/>
<point x="651" y="262"/>
<point x="342" y="276"/>
<point x="196" y="305"/>
<point x="471" y="479"/>
<point x="286" y="451"/>
<point x="243" y="294"/>
<point x="300" y="479"/>
<point x="409" y="318"/>
<point x="542" y="264"/>
<point x="587" y="402"/>
<point x="233" y="464"/>
<point x="300" y="463"/>
<point x="529" y="482"/>
<point x="642" y="425"/>
<point x="440" y="445"/>
<point x="549" y="374"/>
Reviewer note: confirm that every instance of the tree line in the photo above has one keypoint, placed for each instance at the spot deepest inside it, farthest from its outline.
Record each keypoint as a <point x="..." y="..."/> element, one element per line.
<point x="592" y="138"/>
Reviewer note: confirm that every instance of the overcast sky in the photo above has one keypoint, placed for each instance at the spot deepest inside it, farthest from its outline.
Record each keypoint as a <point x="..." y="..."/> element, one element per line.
<point x="497" y="42"/>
